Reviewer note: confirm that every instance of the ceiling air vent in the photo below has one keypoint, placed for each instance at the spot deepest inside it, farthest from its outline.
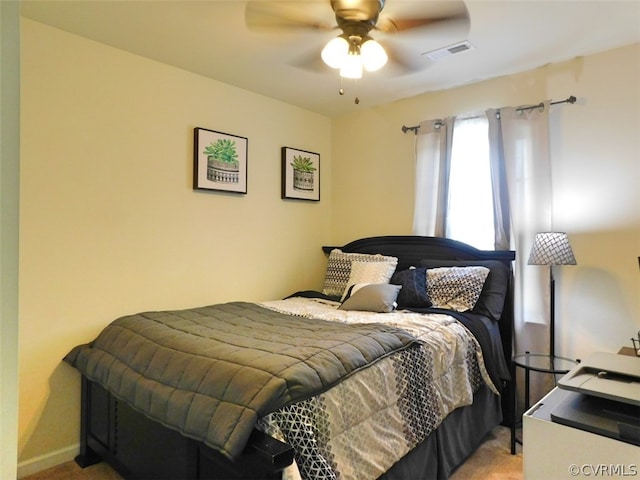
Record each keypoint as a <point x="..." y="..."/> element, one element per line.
<point x="448" y="51"/>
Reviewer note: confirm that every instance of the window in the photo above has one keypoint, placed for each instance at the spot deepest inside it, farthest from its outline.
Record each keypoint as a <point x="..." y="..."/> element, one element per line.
<point x="470" y="202"/>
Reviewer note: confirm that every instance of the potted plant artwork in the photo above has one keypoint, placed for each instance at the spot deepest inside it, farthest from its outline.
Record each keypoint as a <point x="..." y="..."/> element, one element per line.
<point x="303" y="173"/>
<point x="222" y="161"/>
<point x="300" y="174"/>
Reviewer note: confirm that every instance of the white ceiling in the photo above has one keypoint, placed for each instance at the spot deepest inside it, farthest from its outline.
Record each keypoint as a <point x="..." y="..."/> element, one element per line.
<point x="210" y="38"/>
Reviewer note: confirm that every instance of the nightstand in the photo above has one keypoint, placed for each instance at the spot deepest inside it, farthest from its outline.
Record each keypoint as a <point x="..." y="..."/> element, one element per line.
<point x="537" y="363"/>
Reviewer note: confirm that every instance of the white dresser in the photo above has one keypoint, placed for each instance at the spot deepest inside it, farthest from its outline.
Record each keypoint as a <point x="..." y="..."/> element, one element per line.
<point x="555" y="451"/>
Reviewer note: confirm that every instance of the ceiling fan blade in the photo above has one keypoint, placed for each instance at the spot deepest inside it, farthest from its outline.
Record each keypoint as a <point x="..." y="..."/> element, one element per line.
<point x="288" y="15"/>
<point x="311" y="61"/>
<point x="448" y="14"/>
<point x="402" y="62"/>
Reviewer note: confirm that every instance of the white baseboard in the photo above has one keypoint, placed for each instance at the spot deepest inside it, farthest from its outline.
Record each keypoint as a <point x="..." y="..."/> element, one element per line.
<point x="43" y="462"/>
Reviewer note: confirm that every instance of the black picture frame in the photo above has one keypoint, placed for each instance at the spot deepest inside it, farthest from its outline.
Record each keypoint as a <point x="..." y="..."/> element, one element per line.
<point x="219" y="161"/>
<point x="300" y="174"/>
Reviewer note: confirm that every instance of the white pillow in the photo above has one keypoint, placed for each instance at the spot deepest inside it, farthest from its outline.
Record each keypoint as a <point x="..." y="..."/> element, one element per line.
<point x="369" y="272"/>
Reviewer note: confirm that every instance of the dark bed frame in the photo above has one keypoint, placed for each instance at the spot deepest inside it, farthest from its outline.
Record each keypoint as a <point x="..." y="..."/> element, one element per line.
<point x="140" y="448"/>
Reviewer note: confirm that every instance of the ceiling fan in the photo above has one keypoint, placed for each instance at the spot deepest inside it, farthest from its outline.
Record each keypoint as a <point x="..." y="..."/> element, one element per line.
<point x="355" y="49"/>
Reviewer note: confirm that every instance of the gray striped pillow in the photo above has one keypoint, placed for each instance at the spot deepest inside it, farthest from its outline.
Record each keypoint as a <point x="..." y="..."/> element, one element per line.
<point x="339" y="269"/>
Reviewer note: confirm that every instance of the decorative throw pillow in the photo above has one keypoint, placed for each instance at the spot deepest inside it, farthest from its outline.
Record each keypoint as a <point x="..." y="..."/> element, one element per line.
<point x="339" y="269"/>
<point x="494" y="291"/>
<point x="369" y="272"/>
<point x="414" y="288"/>
<point x="379" y="298"/>
<point x="455" y="288"/>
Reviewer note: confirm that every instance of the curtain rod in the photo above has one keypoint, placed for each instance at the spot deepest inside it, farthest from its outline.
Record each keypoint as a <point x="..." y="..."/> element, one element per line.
<point x="570" y="100"/>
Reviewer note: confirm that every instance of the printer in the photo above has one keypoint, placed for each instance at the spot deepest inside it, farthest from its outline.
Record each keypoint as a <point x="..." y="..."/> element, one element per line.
<point x="603" y="397"/>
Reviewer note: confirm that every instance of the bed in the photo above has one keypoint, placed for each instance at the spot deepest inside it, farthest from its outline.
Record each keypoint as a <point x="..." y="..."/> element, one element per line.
<point x="397" y="368"/>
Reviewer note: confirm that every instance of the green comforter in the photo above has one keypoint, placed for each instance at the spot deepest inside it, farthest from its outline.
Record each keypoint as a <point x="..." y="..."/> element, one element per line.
<point x="212" y="372"/>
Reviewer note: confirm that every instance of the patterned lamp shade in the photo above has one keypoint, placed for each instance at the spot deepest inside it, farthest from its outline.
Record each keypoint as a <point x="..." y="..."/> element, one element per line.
<point x="551" y="248"/>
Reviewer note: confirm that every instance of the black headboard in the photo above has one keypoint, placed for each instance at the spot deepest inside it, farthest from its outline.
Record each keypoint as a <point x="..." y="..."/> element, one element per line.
<point x="410" y="249"/>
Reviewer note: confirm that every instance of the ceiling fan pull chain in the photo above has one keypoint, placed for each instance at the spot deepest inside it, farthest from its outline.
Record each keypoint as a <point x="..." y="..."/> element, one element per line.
<point x="341" y="91"/>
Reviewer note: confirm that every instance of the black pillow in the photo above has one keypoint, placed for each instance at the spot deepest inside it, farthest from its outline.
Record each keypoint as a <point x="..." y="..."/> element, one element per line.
<point x="414" y="288"/>
<point x="494" y="291"/>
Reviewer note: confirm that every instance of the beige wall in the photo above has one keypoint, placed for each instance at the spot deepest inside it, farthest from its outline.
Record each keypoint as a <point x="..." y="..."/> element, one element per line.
<point x="596" y="179"/>
<point x="9" y="198"/>
<point x="110" y="224"/>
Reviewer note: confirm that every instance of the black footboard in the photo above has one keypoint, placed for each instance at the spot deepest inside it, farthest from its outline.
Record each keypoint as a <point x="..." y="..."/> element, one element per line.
<point x="140" y="448"/>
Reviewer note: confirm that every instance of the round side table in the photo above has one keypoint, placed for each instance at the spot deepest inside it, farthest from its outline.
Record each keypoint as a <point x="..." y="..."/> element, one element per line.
<point x="536" y="362"/>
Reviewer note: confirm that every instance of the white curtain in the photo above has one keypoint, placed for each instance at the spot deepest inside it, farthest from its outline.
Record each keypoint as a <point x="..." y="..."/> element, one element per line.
<point x="433" y="160"/>
<point x="521" y="182"/>
<point x="523" y="155"/>
<point x="525" y="148"/>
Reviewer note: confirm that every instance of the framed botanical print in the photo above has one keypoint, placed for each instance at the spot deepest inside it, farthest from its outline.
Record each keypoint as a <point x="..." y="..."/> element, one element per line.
<point x="300" y="174"/>
<point x="219" y="161"/>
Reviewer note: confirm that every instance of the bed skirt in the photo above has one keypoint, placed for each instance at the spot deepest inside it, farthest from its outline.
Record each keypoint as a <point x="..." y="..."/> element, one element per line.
<point x="457" y="437"/>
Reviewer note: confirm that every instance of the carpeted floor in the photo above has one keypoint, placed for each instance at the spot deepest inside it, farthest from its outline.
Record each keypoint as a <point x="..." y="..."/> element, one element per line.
<point x="492" y="461"/>
<point x="71" y="471"/>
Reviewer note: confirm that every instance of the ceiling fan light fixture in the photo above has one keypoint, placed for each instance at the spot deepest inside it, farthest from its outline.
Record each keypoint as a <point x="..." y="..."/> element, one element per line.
<point x="352" y="66"/>
<point x="373" y="55"/>
<point x="335" y="52"/>
<point x="352" y="53"/>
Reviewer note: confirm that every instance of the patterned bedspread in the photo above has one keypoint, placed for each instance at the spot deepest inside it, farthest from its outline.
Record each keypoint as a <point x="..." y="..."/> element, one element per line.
<point x="361" y="427"/>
